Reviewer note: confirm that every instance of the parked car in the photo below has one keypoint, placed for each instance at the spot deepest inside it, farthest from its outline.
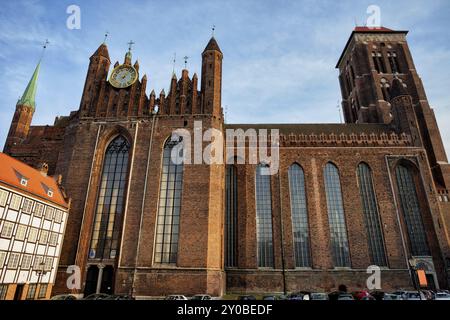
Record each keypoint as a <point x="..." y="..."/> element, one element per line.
<point x="247" y="297"/>
<point x="269" y="298"/>
<point x="335" y="295"/>
<point x="295" y="296"/>
<point x="442" y="296"/>
<point x="118" y="297"/>
<point x="176" y="297"/>
<point x="96" y="296"/>
<point x="318" y="296"/>
<point x="345" y="296"/>
<point x="64" y="297"/>
<point x="414" y="295"/>
<point x="390" y="296"/>
<point x="201" y="297"/>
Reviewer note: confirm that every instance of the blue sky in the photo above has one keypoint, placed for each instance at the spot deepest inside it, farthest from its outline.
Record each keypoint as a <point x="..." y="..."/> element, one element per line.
<point x="279" y="56"/>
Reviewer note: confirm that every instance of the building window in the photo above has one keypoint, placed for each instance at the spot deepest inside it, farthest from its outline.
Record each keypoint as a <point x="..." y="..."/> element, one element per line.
<point x="411" y="211"/>
<point x="378" y="62"/>
<point x="48" y="264"/>
<point x="3" y="197"/>
<point x="53" y="240"/>
<point x="264" y="217"/>
<point x="24" y="181"/>
<point x="58" y="216"/>
<point x="15" y="202"/>
<point x="13" y="261"/>
<point x="393" y="62"/>
<point x="26" y="261"/>
<point x="50" y="193"/>
<point x="111" y="200"/>
<point x="3" y="291"/>
<point x="7" y="229"/>
<point x="49" y="213"/>
<point x="167" y="228"/>
<point x="39" y="210"/>
<point x="27" y="206"/>
<point x="299" y="216"/>
<point x="371" y="215"/>
<point x="336" y="217"/>
<point x="21" y="232"/>
<point x="2" y="258"/>
<point x="31" y="294"/>
<point x="32" y="237"/>
<point x="231" y="216"/>
<point x="37" y="263"/>
<point x="43" y="237"/>
<point x="42" y="290"/>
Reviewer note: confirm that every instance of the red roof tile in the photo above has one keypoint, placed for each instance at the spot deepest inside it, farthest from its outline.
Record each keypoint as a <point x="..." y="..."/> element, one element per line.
<point x="12" y="171"/>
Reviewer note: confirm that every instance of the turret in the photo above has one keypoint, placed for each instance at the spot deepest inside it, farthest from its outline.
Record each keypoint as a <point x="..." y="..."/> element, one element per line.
<point x="23" y="114"/>
<point x="211" y="82"/>
<point x="404" y="117"/>
<point x="97" y="73"/>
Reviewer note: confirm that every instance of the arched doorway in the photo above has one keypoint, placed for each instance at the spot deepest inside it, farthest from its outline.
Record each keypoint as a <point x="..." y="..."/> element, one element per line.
<point x="107" y="280"/>
<point x="91" y="280"/>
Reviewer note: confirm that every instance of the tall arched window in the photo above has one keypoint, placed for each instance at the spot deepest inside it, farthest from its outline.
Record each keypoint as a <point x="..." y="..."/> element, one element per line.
<point x="411" y="211"/>
<point x="336" y="217"/>
<point x="264" y="217"/>
<point x="167" y="227"/>
<point x="231" y="216"/>
<point x="299" y="215"/>
<point x="371" y="215"/>
<point x="110" y="201"/>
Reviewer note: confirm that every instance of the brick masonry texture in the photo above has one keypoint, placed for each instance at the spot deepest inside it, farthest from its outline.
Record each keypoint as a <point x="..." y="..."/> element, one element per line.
<point x="379" y="133"/>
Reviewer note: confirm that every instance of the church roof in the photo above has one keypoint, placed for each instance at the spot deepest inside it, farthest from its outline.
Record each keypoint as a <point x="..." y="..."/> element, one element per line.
<point x="317" y="128"/>
<point x="29" y="95"/>
<point x="212" y="45"/>
<point x="38" y="184"/>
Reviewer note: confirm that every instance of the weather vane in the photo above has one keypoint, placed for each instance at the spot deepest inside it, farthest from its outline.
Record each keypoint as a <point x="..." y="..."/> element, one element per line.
<point x="44" y="46"/>
<point x="173" y="61"/>
<point x="185" y="61"/>
<point x="106" y="36"/>
<point x="213" y="29"/>
<point x="130" y="44"/>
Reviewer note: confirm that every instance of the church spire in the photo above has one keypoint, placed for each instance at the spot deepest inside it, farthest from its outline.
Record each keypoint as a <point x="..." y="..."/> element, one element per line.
<point x="29" y="95"/>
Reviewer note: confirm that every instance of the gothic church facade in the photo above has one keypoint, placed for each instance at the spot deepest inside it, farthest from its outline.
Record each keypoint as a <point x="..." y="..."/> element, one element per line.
<point x="372" y="191"/>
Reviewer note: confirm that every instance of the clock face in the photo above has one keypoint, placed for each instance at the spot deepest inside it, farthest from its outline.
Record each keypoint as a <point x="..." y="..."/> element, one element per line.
<point x="123" y="76"/>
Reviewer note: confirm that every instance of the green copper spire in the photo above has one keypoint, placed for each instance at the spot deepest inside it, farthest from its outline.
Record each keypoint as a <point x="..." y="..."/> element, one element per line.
<point x="28" y="97"/>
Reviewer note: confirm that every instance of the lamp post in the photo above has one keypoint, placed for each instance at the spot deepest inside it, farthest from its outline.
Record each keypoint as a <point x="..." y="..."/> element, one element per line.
<point x="40" y="272"/>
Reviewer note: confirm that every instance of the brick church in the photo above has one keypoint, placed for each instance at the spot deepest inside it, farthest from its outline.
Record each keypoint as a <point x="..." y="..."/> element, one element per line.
<point x="372" y="191"/>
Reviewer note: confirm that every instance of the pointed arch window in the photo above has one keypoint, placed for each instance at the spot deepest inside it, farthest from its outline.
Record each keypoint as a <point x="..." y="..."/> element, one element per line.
<point x="110" y="201"/>
<point x="299" y="216"/>
<point x="336" y="217"/>
<point x="168" y="221"/>
<point x="264" y="231"/>
<point x="231" y="222"/>
<point x="411" y="211"/>
<point x="371" y="215"/>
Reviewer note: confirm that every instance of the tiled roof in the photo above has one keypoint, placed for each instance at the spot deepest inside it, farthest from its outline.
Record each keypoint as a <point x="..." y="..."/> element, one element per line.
<point x="372" y="29"/>
<point x="12" y="171"/>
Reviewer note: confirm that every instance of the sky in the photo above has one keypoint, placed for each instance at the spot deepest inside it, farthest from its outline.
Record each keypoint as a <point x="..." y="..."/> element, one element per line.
<point x="279" y="56"/>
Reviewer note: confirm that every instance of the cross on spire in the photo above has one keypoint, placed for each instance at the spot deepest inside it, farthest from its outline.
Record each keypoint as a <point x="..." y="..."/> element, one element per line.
<point x="130" y="44"/>
<point x="106" y="36"/>
<point x="213" y="29"/>
<point x="174" y="61"/>
<point x="185" y="61"/>
<point x="44" y="46"/>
